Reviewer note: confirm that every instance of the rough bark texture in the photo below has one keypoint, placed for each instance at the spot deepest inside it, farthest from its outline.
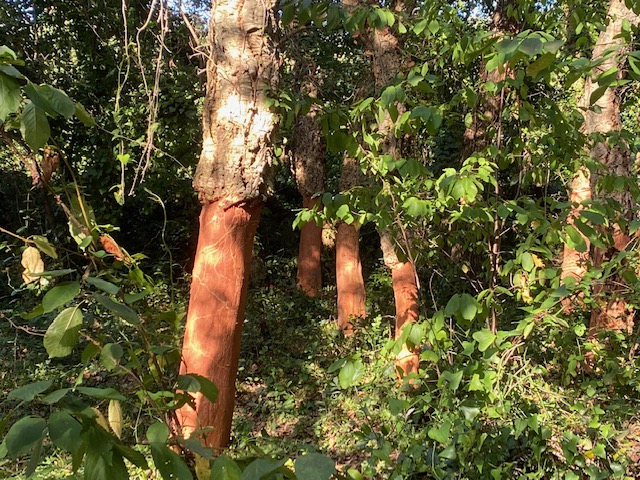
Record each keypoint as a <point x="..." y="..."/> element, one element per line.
<point x="308" y="169"/>
<point x="216" y="312"/>
<point x="236" y="151"/>
<point x="309" y="265"/>
<point x="610" y="311"/>
<point x="231" y="180"/>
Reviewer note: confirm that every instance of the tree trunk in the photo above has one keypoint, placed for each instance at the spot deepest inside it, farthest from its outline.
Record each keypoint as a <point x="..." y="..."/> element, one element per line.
<point x="405" y="293"/>
<point x="349" y="282"/>
<point x="610" y="311"/>
<point x="309" y="264"/>
<point x="232" y="179"/>
<point x="385" y="64"/>
<point x="308" y="170"/>
<point x="211" y="345"/>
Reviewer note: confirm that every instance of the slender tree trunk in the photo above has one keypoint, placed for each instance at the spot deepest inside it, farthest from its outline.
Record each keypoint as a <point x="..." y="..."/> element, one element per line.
<point x="309" y="254"/>
<point x="610" y="311"/>
<point x="232" y="180"/>
<point x="308" y="170"/>
<point x="349" y="281"/>
<point x="385" y="64"/>
<point x="405" y="293"/>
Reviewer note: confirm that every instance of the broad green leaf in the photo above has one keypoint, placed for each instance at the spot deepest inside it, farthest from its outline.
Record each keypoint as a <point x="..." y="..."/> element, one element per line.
<point x="314" y="466"/>
<point x="475" y="385"/>
<point x="576" y="240"/>
<point x="34" y="126"/>
<point x="11" y="71"/>
<point x="109" y="465"/>
<point x="453" y="378"/>
<point x="62" y="335"/>
<point x="50" y="99"/>
<point x="531" y="46"/>
<point x="350" y="373"/>
<point x="103" y="285"/>
<point x="468" y="306"/>
<point x="26" y="393"/>
<point x="103" y="393"/>
<point x="118" y="308"/>
<point x="225" y="469"/>
<point x="540" y="64"/>
<point x="64" y="431"/>
<point x="484" y="338"/>
<point x="44" y="246"/>
<point x="10" y="96"/>
<point x="158" y="433"/>
<point x="527" y="261"/>
<point x="261" y="468"/>
<point x="440" y="434"/>
<point x="24" y="434"/>
<point x="453" y="305"/>
<point x="55" y="396"/>
<point x="110" y="355"/>
<point x="84" y="116"/>
<point x="59" y="295"/>
<point x="170" y="465"/>
<point x="197" y="383"/>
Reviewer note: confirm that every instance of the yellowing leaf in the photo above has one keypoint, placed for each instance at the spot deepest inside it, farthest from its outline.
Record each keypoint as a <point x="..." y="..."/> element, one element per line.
<point x="32" y="263"/>
<point x="115" y="417"/>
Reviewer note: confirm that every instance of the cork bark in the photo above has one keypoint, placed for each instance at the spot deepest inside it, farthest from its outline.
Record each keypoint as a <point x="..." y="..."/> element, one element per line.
<point x="231" y="179"/>
<point x="611" y="311"/>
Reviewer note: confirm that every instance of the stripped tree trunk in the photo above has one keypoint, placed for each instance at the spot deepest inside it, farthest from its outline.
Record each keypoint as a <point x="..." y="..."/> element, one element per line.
<point x="232" y="180"/>
<point x="385" y="63"/>
<point x="349" y="281"/>
<point x="308" y="170"/>
<point x="611" y="311"/>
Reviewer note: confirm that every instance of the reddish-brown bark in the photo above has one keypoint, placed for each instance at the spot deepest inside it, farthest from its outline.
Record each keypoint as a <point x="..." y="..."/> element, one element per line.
<point x="349" y="282"/>
<point x="216" y="312"/>
<point x="405" y="292"/>
<point x="309" y="265"/>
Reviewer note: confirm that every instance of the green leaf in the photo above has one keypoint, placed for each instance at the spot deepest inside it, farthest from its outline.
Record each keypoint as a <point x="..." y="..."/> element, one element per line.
<point x="110" y="355"/>
<point x="197" y="383"/>
<point x="531" y="46"/>
<point x="415" y="207"/>
<point x="225" y="469"/>
<point x="484" y="338"/>
<point x="576" y="240"/>
<point x="453" y="378"/>
<point x="10" y="96"/>
<point x="118" y="308"/>
<point x="62" y="335"/>
<point x="102" y="393"/>
<point x="314" y="466"/>
<point x="34" y="126"/>
<point x="65" y="431"/>
<point x="468" y="306"/>
<point x="103" y="285"/>
<point x="53" y="101"/>
<point x="158" y="433"/>
<point x="26" y="393"/>
<point x="453" y="305"/>
<point x="170" y="465"/>
<point x="527" y="261"/>
<point x="55" y="396"/>
<point x="11" y="71"/>
<point x="59" y="295"/>
<point x="441" y="434"/>
<point x="44" y="246"/>
<point x="350" y="373"/>
<point x="24" y="434"/>
<point x="260" y="468"/>
<point x="541" y="63"/>
<point x="84" y="116"/>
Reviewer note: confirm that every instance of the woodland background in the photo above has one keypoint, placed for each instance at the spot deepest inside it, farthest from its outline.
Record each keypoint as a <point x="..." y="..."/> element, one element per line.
<point x="494" y="145"/>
